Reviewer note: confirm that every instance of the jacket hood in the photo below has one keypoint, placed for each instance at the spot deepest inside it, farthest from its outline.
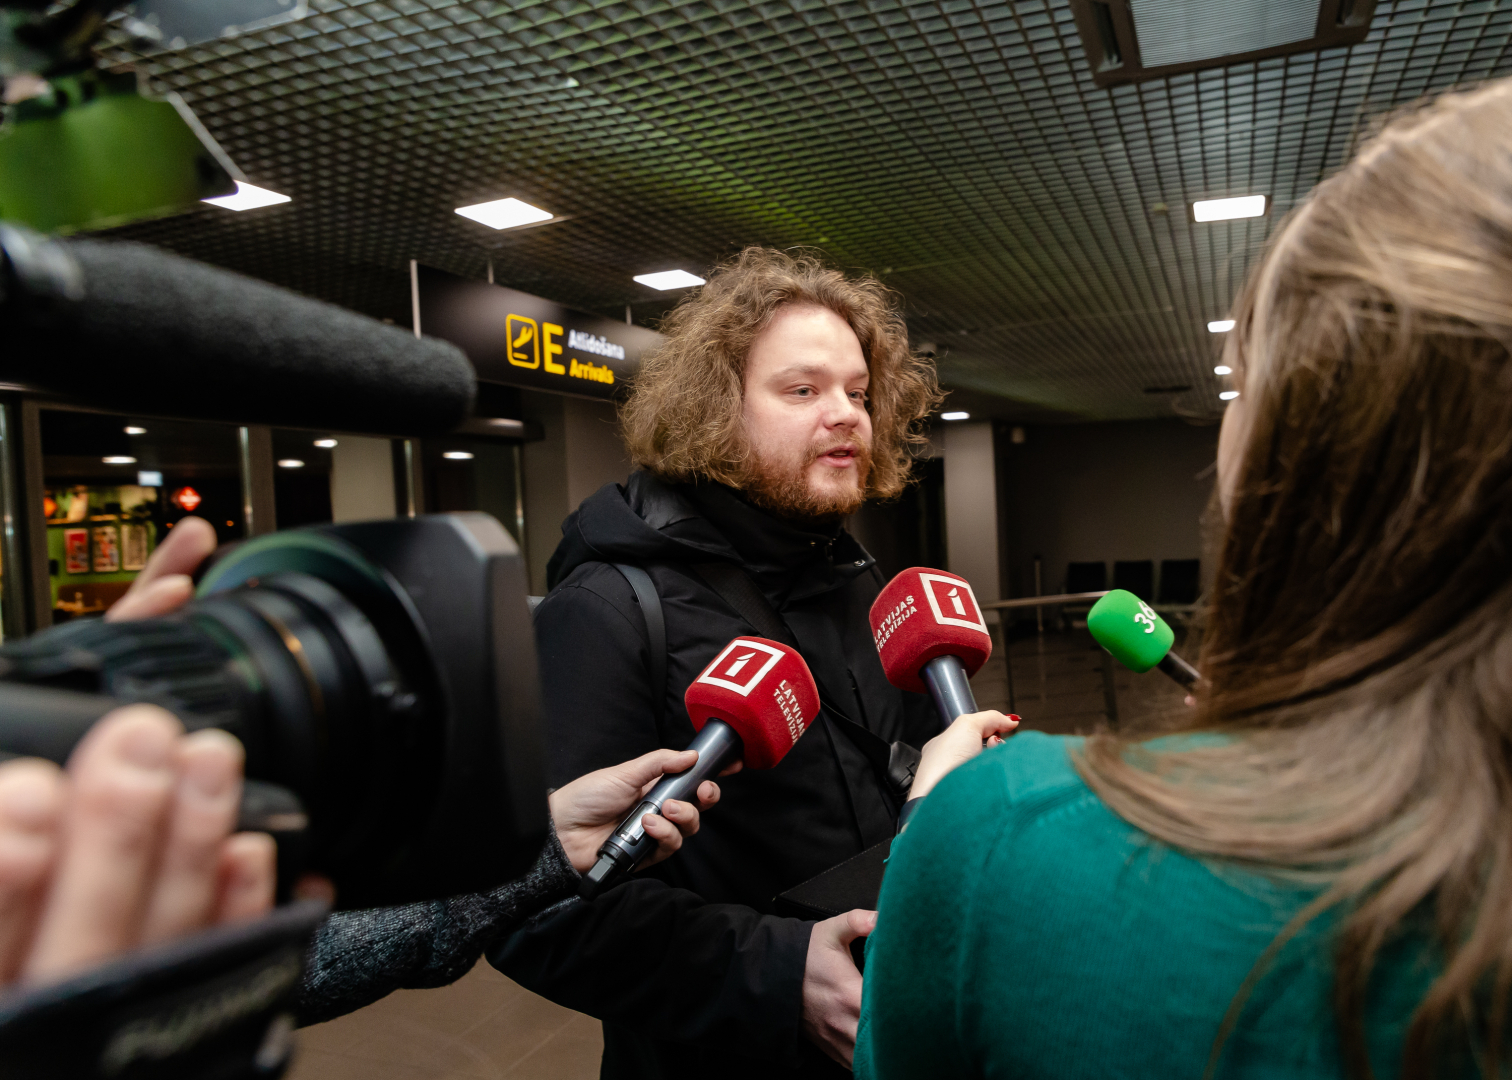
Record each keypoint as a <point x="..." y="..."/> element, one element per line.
<point x="649" y="520"/>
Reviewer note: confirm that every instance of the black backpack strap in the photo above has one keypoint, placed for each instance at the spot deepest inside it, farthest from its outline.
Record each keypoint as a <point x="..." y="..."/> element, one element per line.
<point x="656" y="631"/>
<point x="896" y="762"/>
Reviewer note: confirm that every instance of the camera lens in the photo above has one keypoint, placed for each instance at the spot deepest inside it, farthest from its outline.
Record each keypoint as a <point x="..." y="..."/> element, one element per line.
<point x="380" y="673"/>
<point x="298" y="666"/>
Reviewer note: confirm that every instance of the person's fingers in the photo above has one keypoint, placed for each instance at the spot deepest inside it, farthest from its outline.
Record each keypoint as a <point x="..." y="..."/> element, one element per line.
<point x="166" y="594"/>
<point x="31" y="803"/>
<point x="729" y="770"/>
<point x="990" y="722"/>
<point x="179" y="555"/>
<point x="643" y="772"/>
<point x="708" y="794"/>
<point x="667" y="836"/>
<point x="683" y="815"/>
<point x="184" y="893"/>
<point x="121" y="779"/>
<point x="315" y="887"/>
<point x="247" y="877"/>
<point x="853" y="924"/>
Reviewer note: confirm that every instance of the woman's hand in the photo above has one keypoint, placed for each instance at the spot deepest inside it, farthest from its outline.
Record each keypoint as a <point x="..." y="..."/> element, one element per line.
<point x="165" y="585"/>
<point x="587" y="810"/>
<point x="958" y="744"/>
<point x="130" y="846"/>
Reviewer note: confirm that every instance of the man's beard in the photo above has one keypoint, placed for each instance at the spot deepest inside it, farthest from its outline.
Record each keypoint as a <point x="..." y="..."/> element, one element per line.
<point x="782" y="487"/>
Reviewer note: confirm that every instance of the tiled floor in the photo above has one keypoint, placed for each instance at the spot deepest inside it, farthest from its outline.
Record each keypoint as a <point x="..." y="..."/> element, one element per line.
<point x="483" y="1026"/>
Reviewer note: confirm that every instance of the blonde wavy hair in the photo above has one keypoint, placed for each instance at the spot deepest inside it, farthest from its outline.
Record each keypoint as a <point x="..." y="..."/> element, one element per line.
<point x="1359" y="642"/>
<point x="683" y="418"/>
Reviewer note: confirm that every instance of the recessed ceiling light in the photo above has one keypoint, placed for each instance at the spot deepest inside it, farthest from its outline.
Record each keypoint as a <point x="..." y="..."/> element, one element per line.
<point x="325" y="444"/>
<point x="248" y="197"/>
<point x="1228" y="395"/>
<point x="505" y="213"/>
<point x="955" y="416"/>
<point x="457" y="455"/>
<point x="1223" y="369"/>
<point x="119" y="459"/>
<point x="668" y="280"/>
<point x="1228" y="209"/>
<point x="136" y="431"/>
<point x="1220" y="326"/>
<point x="290" y="463"/>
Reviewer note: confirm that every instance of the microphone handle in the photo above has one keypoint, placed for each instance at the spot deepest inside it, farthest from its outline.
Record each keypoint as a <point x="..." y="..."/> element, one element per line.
<point x="950" y="687"/>
<point x="718" y="745"/>
<point x="1179" y="669"/>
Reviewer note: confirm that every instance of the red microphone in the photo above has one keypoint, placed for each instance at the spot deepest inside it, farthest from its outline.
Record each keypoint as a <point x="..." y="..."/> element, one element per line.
<point x="932" y="638"/>
<point x="750" y="704"/>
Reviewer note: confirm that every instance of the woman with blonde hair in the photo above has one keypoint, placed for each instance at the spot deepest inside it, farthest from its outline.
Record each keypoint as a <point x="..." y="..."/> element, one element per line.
<point x="1314" y="877"/>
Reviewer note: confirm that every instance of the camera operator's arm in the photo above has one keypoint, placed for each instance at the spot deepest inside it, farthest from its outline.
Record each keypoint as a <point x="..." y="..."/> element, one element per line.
<point x="361" y="956"/>
<point x="130" y="846"/>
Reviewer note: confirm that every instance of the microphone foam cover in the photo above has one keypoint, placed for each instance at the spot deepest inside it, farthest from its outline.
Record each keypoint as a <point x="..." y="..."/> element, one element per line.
<point x="164" y="335"/>
<point x="923" y="614"/>
<point x="763" y="690"/>
<point x="1128" y="628"/>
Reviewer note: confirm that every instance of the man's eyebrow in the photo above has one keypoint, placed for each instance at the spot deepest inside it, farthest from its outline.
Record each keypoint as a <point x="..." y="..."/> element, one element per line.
<point x="801" y="368"/>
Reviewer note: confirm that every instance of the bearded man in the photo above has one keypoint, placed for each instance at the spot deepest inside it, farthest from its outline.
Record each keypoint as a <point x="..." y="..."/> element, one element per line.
<point x="784" y="396"/>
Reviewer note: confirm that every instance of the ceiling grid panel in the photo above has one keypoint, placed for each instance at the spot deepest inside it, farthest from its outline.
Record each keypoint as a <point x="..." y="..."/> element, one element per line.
<point x="1036" y="226"/>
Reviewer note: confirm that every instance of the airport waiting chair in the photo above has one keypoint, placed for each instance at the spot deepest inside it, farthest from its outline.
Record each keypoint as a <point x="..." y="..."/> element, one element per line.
<point x="1086" y="577"/>
<point x="1179" y="581"/>
<point x="1137" y="577"/>
<point x="1082" y="577"/>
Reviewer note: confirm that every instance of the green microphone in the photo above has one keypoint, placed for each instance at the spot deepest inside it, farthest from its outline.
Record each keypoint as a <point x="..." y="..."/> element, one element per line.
<point x="1138" y="638"/>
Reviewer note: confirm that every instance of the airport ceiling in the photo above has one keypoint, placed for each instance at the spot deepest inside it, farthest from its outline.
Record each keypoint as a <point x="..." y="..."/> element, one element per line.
<point x="1035" y="224"/>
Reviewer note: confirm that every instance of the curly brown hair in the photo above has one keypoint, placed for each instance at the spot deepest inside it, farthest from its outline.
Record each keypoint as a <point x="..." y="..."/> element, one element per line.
<point x="683" y="417"/>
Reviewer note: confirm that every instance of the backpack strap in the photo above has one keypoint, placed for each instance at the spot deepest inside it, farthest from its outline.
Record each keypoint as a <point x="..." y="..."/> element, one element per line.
<point x="894" y="763"/>
<point x="656" y="631"/>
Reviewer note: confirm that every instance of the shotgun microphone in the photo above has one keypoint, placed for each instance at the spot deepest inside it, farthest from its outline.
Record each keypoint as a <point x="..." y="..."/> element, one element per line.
<point x="1138" y="638"/>
<point x="751" y="704"/>
<point x="931" y="637"/>
<point x="129" y="328"/>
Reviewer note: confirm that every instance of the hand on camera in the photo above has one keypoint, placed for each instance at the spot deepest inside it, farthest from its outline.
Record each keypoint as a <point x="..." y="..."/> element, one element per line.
<point x="832" y="984"/>
<point x="165" y="583"/>
<point x="958" y="744"/>
<point x="587" y="810"/>
<point x="130" y="846"/>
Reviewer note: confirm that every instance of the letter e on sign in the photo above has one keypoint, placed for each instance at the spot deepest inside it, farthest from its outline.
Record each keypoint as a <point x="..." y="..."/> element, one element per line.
<point x="551" y="331"/>
<point x="524" y="341"/>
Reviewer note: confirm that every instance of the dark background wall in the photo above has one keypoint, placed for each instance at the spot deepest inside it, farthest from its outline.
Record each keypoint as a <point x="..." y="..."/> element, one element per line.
<point x="1102" y="492"/>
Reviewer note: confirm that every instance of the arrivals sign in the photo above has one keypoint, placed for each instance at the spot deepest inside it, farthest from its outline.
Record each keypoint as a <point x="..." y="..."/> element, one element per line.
<point x="523" y="340"/>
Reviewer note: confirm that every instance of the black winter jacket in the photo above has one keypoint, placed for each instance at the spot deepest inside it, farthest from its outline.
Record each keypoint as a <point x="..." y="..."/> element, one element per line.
<point x="690" y="973"/>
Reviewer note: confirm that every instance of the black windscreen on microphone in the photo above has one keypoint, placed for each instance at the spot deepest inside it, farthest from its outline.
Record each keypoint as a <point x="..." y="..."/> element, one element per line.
<point x="139" y="330"/>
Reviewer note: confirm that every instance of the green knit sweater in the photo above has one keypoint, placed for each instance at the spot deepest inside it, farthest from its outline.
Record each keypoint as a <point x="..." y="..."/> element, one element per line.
<point x="1026" y="931"/>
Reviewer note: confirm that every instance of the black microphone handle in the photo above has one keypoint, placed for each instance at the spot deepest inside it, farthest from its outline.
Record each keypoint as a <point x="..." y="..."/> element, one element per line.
<point x="718" y="746"/>
<point x="1179" y="669"/>
<point x="950" y="687"/>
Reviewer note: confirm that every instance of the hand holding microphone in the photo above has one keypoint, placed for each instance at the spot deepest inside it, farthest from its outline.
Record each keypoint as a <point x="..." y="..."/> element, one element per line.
<point x="750" y="705"/>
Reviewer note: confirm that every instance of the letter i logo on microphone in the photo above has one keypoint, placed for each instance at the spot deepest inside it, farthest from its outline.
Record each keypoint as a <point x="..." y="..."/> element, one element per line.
<point x="952" y="602"/>
<point x="734" y="670"/>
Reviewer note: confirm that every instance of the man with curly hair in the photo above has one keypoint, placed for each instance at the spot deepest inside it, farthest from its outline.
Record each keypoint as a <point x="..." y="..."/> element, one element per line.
<point x="784" y="396"/>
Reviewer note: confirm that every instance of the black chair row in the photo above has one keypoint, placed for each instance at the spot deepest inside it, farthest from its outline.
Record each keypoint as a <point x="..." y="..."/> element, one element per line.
<point x="1178" y="579"/>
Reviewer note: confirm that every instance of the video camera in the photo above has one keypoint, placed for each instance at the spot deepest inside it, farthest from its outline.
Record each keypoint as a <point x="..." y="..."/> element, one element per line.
<point x="381" y="675"/>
